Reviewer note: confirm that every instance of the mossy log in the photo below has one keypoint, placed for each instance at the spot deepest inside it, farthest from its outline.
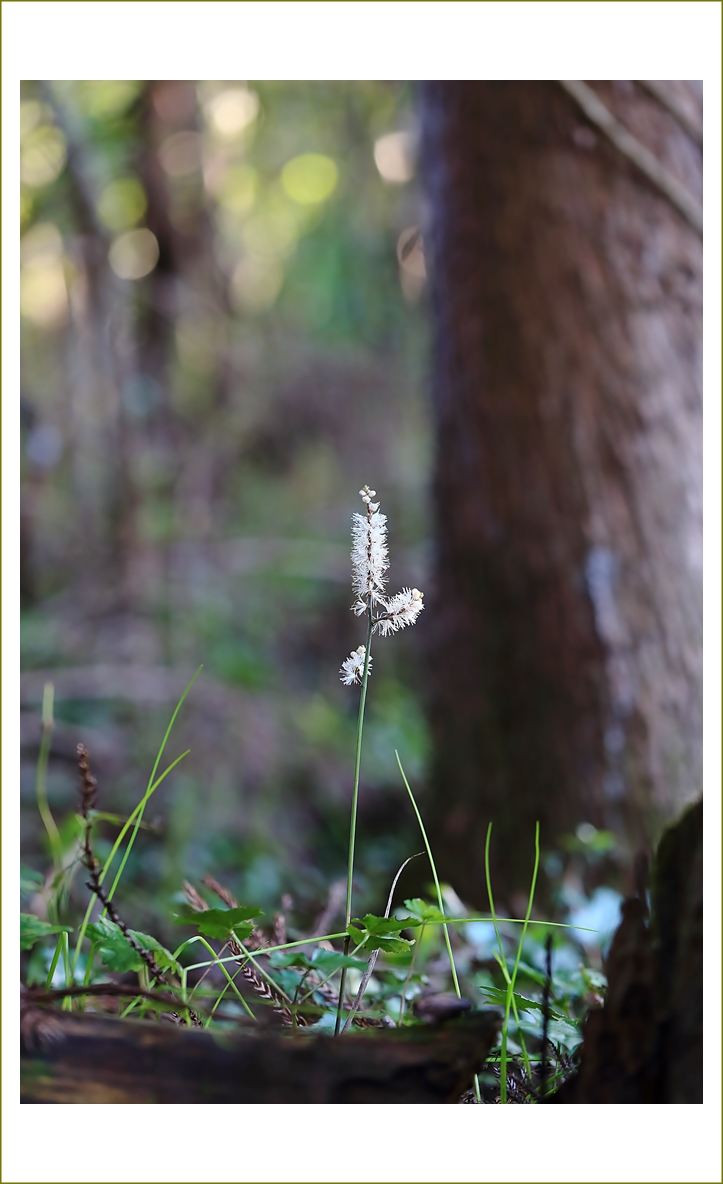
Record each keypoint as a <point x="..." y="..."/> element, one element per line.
<point x="85" y="1059"/>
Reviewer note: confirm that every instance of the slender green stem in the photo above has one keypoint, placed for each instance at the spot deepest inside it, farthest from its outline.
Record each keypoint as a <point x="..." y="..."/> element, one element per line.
<point x="410" y="972"/>
<point x="307" y="941"/>
<point x="148" y="792"/>
<point x="440" y="898"/>
<point x="223" y="992"/>
<point x="88" y="965"/>
<point x="511" y="979"/>
<point x="231" y="983"/>
<point x="54" y="963"/>
<point x="67" y="1002"/>
<point x="41" y="778"/>
<point x="521" y="943"/>
<point x="354" y="803"/>
<point x="131" y="1007"/>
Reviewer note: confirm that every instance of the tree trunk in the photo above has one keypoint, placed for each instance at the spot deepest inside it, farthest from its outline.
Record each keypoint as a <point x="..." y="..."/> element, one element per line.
<point x="567" y="611"/>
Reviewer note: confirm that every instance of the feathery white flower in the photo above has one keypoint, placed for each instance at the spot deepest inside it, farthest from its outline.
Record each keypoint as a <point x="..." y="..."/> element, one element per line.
<point x="369" y="555"/>
<point x="401" y="610"/>
<point x="352" y="668"/>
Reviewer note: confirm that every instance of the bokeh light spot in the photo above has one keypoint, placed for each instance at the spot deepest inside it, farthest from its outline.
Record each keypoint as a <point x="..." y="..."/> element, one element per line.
<point x="394" y="157"/>
<point x="134" y="255"/>
<point x="310" y="178"/>
<point x="232" y="110"/>
<point x="110" y="97"/>
<point x="256" y="283"/>
<point x="31" y="114"/>
<point x="43" y="291"/>
<point x="122" y="204"/>
<point x="42" y="156"/>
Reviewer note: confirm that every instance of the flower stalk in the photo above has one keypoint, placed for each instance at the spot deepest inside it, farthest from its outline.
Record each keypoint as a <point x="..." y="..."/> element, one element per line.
<point x="369" y="561"/>
<point x="354" y="805"/>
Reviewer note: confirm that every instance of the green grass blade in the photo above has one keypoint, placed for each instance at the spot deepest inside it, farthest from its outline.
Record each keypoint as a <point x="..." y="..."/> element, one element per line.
<point x="434" y="873"/>
<point x="148" y="792"/>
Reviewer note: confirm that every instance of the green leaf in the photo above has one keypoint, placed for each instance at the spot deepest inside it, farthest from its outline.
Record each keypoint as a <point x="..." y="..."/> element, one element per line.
<point x="223" y="923"/>
<point x="376" y="941"/>
<point x="118" y="954"/>
<point x="294" y="958"/>
<point x="384" y="925"/>
<point x="563" y="1035"/>
<point x="382" y="933"/>
<point x="499" y="996"/>
<point x="32" y="929"/>
<point x="324" y="961"/>
<point x="425" y="913"/>
<point x="327" y="961"/>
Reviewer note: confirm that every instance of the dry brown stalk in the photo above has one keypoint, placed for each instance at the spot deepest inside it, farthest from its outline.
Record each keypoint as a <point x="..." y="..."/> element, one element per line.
<point x="89" y="787"/>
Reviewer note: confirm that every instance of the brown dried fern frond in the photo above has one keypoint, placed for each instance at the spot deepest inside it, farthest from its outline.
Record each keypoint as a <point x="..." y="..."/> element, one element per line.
<point x="263" y="988"/>
<point x="222" y="893"/>
<point x="194" y="899"/>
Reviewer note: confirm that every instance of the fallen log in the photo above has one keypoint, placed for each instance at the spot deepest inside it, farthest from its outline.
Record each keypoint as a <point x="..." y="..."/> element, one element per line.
<point x="86" y="1059"/>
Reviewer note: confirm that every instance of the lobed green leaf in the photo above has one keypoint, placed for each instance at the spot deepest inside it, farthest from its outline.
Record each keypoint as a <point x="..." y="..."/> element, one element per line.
<point x="223" y="923"/>
<point x="117" y="953"/>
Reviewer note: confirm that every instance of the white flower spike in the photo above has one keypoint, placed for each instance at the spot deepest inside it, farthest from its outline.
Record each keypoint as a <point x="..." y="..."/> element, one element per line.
<point x="352" y="668"/>
<point x="369" y="562"/>
<point x="402" y="610"/>
<point x="369" y="555"/>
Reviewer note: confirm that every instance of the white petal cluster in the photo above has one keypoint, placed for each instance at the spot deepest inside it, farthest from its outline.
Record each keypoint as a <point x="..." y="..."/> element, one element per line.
<point x="352" y="668"/>
<point x="401" y="610"/>
<point x="369" y="561"/>
<point x="369" y="554"/>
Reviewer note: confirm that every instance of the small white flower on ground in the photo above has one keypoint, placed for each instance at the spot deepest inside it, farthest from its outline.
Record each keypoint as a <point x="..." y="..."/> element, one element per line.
<point x="352" y="668"/>
<point x="402" y="610"/>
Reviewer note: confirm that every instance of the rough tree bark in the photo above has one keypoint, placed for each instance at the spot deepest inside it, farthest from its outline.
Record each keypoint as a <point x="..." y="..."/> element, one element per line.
<point x="567" y="612"/>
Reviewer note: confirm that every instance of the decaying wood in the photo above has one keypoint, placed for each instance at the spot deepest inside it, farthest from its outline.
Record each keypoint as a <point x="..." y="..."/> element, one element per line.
<point x="102" y="1061"/>
<point x="646" y="1045"/>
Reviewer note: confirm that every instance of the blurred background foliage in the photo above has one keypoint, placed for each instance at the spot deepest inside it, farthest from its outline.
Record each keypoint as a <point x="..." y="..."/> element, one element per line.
<point x="223" y="337"/>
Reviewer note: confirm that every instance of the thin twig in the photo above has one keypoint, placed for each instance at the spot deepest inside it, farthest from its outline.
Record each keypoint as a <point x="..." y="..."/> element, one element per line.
<point x="644" y="160"/>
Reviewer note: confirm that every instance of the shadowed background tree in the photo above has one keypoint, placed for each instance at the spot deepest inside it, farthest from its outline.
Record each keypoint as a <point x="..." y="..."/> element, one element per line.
<point x="566" y="629"/>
